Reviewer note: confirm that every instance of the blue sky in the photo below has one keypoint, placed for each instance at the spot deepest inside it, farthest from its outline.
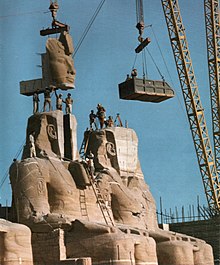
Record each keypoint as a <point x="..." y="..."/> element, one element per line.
<point x="166" y="150"/>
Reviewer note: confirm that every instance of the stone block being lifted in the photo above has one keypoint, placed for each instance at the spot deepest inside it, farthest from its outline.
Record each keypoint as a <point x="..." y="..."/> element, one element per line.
<point x="145" y="90"/>
<point x="57" y="67"/>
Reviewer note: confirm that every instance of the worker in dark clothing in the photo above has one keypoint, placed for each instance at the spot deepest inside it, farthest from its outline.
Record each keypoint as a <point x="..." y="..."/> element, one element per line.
<point x="36" y="101"/>
<point x="69" y="102"/>
<point x="47" y="99"/>
<point x="101" y="115"/>
<point x="128" y="77"/>
<point x="134" y="73"/>
<point x="92" y="120"/>
<point x="119" y="120"/>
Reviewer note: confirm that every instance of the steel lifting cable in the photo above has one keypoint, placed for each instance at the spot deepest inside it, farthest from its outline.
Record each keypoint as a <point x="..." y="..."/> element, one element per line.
<point x="135" y="59"/>
<point x="155" y="64"/>
<point x="144" y="62"/>
<point x="7" y="172"/>
<point x="88" y="27"/>
<point x="137" y="8"/>
<point x="15" y="157"/>
<point x="164" y="61"/>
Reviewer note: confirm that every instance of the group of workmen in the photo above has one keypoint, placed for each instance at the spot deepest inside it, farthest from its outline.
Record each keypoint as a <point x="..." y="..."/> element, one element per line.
<point x="101" y="115"/>
<point x="47" y="101"/>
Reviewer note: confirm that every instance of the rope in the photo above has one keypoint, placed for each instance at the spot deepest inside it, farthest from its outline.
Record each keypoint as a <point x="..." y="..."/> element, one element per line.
<point x="88" y="26"/>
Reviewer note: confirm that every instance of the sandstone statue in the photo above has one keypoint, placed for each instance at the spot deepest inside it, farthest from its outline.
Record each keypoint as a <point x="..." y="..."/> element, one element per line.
<point x="15" y="244"/>
<point x="59" y="55"/>
<point x="108" y="215"/>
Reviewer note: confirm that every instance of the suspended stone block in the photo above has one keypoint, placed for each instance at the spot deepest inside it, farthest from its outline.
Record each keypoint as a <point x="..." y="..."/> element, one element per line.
<point x="145" y="90"/>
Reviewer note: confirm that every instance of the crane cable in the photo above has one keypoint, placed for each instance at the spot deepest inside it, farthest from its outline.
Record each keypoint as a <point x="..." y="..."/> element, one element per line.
<point x="76" y="49"/>
<point x="144" y="65"/>
<point x="88" y="26"/>
<point x="154" y="62"/>
<point x="16" y="156"/>
<point x="7" y="171"/>
<point x="167" y="69"/>
<point x="161" y="53"/>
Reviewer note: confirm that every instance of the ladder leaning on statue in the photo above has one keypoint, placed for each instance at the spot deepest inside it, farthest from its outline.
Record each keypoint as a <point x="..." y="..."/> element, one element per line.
<point x="84" y="145"/>
<point x="100" y="200"/>
<point x="102" y="204"/>
<point x="82" y="201"/>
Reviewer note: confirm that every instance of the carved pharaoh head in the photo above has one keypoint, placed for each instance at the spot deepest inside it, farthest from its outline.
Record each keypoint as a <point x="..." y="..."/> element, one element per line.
<point x="59" y="55"/>
<point x="116" y="147"/>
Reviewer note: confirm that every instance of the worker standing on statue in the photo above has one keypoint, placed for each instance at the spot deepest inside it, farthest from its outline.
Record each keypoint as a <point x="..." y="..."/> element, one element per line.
<point x="47" y="99"/>
<point x="69" y="102"/>
<point x="110" y="122"/>
<point x="101" y="115"/>
<point x="119" y="120"/>
<point x="32" y="145"/>
<point x="90" y="163"/>
<point x="59" y="101"/>
<point x="92" y="120"/>
<point x="36" y="101"/>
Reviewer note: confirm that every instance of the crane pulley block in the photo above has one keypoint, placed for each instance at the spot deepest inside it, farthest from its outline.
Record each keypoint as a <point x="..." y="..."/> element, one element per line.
<point x="142" y="45"/>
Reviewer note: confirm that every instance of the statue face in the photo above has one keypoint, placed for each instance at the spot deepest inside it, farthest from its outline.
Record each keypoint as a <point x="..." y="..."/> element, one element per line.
<point x="48" y="133"/>
<point x="59" y="56"/>
<point x="115" y="147"/>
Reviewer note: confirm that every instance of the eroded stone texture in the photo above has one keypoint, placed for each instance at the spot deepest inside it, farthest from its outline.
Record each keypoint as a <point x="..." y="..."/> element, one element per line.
<point x="50" y="193"/>
<point x="15" y="244"/>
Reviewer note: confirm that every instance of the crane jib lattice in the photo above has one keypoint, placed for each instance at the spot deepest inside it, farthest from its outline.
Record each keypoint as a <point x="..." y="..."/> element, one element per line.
<point x="193" y="103"/>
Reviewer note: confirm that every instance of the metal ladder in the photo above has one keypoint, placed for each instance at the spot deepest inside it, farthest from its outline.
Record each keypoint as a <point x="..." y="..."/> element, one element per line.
<point x="82" y="201"/>
<point x="101" y="202"/>
<point x="84" y="145"/>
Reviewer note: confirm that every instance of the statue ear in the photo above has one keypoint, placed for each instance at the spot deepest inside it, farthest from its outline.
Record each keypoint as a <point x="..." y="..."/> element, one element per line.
<point x="110" y="147"/>
<point x="51" y="131"/>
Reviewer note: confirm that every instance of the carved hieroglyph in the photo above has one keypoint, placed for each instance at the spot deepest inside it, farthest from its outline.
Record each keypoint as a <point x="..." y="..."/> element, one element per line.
<point x="50" y="193"/>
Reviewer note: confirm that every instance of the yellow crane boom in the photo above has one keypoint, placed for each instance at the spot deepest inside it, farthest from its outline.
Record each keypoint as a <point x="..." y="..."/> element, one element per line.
<point x="194" y="109"/>
<point x="211" y="8"/>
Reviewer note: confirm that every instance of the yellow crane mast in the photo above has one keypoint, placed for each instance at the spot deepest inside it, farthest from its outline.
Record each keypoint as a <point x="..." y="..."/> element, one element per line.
<point x="194" y="109"/>
<point x="211" y="8"/>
